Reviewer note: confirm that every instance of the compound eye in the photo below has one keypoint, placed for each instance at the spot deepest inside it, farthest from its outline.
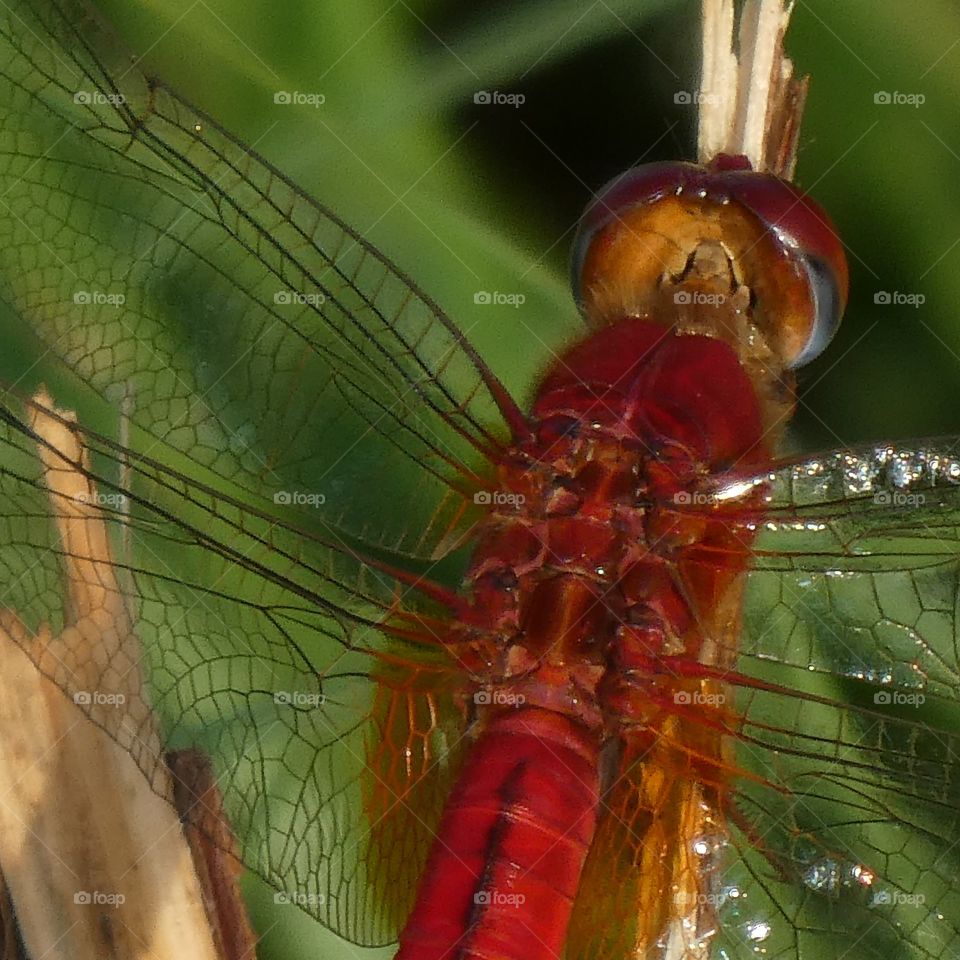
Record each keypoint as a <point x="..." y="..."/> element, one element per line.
<point x="829" y="295"/>
<point x="808" y="237"/>
<point x="636" y="187"/>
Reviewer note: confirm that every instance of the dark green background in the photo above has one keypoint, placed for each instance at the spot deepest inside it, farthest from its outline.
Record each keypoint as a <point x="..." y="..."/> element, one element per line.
<point x="471" y="197"/>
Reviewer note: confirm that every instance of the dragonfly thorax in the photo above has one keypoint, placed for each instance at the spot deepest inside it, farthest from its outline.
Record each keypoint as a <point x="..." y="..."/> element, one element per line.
<point x="575" y="583"/>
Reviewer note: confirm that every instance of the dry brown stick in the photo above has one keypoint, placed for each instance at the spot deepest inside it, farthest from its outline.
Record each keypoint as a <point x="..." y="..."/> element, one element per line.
<point x="750" y="102"/>
<point x="94" y="856"/>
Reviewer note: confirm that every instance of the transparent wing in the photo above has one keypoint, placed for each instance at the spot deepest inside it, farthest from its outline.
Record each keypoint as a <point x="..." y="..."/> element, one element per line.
<point x="164" y="262"/>
<point x="296" y="416"/>
<point x="841" y="787"/>
<point x="314" y="680"/>
<point x="793" y="789"/>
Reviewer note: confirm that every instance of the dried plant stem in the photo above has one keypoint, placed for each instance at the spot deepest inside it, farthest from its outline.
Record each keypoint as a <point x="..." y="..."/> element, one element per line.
<point x="96" y="861"/>
<point x="750" y="101"/>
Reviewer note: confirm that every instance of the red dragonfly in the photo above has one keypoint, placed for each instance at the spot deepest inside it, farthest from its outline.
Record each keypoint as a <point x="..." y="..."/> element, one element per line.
<point x="607" y="677"/>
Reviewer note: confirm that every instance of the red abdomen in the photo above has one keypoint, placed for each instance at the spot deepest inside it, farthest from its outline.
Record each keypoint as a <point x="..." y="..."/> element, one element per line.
<point x="511" y="844"/>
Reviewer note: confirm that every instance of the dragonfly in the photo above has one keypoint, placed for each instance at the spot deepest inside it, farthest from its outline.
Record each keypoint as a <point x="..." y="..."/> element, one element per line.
<point x="591" y="674"/>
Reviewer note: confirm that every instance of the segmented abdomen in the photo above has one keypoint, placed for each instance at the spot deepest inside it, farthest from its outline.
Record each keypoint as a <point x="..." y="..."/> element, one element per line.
<point x="505" y="867"/>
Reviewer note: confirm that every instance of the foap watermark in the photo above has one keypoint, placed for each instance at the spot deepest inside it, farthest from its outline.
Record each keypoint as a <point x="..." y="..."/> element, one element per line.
<point x="299" y="498"/>
<point x="286" y="298"/>
<point x="491" y="898"/>
<point x="98" y="898"/>
<point x="687" y="898"/>
<point x="697" y="298"/>
<point x="897" y="498"/>
<point x="497" y="98"/>
<point x="895" y="298"/>
<point x="97" y="698"/>
<point x="496" y="298"/>
<point x="898" y="698"/>
<point x="695" y="98"/>
<point x="898" y="898"/>
<point x="504" y="698"/>
<point x="693" y="498"/>
<point x="298" y="898"/>
<point x="498" y="498"/>
<point x="98" y="499"/>
<point x="298" y="699"/>
<point x="97" y="97"/>
<point x="697" y="698"/>
<point x="896" y="98"/>
<point x="98" y="298"/>
<point x="297" y="98"/>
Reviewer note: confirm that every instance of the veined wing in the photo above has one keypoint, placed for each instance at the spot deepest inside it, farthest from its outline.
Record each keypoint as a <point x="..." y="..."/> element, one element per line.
<point x="794" y="791"/>
<point x="863" y="545"/>
<point x="842" y="787"/>
<point x="333" y="720"/>
<point x="163" y="261"/>
<point x="323" y="420"/>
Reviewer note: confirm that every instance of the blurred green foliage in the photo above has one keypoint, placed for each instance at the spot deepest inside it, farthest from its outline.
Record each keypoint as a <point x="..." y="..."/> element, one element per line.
<point x="470" y="197"/>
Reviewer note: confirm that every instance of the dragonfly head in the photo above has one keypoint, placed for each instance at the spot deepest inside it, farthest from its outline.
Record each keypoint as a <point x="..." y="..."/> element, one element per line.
<point x="717" y="250"/>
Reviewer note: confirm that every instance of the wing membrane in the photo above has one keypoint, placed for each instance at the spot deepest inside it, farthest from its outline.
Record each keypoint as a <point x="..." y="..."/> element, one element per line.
<point x="842" y="788"/>
<point x="856" y="568"/>
<point x="264" y="649"/>
<point x="293" y="403"/>
<point x="158" y="257"/>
